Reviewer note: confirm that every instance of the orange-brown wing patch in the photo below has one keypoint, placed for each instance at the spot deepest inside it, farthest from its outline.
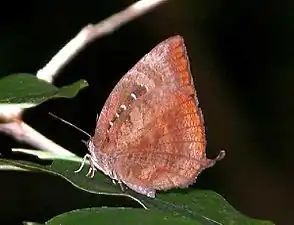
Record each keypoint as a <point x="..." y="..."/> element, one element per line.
<point x="170" y="150"/>
<point x="166" y="64"/>
<point x="157" y="171"/>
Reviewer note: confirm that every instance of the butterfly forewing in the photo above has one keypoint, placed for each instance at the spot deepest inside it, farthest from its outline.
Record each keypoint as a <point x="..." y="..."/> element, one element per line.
<point x="166" y="64"/>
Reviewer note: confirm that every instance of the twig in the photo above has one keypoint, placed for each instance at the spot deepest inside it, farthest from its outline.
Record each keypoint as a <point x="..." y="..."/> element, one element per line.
<point x="23" y="132"/>
<point x="92" y="32"/>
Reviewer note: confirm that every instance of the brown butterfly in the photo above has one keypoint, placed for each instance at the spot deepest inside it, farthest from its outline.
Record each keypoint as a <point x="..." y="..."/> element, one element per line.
<point x="150" y="134"/>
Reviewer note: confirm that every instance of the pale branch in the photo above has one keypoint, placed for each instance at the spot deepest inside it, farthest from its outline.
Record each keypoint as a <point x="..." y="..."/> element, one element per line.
<point x="23" y="132"/>
<point x="92" y="32"/>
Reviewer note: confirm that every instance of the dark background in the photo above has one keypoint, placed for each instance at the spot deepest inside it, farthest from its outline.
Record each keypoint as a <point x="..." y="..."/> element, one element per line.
<point x="242" y="61"/>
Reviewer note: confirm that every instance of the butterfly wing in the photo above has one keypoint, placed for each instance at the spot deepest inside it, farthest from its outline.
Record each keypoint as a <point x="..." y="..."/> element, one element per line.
<point x="165" y="64"/>
<point x="169" y="150"/>
<point x="151" y="126"/>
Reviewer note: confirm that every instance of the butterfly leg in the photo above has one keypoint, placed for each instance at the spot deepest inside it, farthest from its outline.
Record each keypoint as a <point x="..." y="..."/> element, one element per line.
<point x="115" y="180"/>
<point x="91" y="172"/>
<point x="92" y="169"/>
<point x="86" y="157"/>
<point x="121" y="185"/>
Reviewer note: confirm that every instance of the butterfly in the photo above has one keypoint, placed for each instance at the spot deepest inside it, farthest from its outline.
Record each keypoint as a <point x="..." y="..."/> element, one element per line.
<point x="150" y="134"/>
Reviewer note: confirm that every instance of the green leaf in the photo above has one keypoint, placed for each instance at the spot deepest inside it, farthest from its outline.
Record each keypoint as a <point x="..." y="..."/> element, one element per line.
<point x="28" y="90"/>
<point x="205" y="207"/>
<point x="211" y="205"/>
<point x="100" y="184"/>
<point x="31" y="223"/>
<point x="117" y="216"/>
<point x="11" y="167"/>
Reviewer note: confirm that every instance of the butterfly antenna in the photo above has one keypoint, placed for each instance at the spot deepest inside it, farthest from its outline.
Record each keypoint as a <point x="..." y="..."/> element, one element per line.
<point x="70" y="124"/>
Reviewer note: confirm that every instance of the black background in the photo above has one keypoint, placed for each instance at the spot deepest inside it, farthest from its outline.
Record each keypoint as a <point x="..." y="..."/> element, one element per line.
<point x="242" y="61"/>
